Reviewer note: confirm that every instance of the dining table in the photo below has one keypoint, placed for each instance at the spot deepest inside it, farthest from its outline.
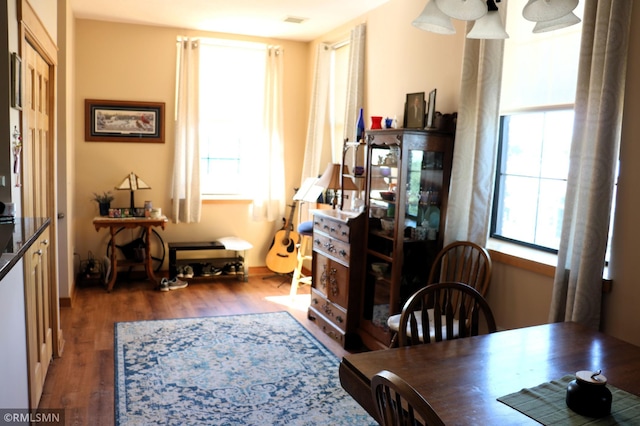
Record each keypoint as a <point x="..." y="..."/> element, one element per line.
<point x="462" y="379"/>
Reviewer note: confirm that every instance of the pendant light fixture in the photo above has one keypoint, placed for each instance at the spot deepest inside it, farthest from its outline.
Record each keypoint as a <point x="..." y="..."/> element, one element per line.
<point x="547" y="10"/>
<point x="464" y="10"/>
<point x="434" y="20"/>
<point x="556" y="24"/>
<point x="548" y="15"/>
<point x="490" y="26"/>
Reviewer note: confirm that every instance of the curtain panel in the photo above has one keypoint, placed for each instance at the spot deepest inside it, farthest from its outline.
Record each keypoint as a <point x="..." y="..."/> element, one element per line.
<point x="577" y="289"/>
<point x="476" y="143"/>
<point x="268" y="192"/>
<point x="185" y="188"/>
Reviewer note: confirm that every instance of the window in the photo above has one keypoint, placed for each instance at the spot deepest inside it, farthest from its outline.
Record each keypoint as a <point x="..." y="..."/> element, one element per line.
<point x="533" y="161"/>
<point x="232" y="82"/>
<point x="338" y="95"/>
<point x="536" y="126"/>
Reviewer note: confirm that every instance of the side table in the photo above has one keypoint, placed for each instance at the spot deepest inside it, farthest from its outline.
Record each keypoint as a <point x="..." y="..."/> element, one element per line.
<point x="115" y="223"/>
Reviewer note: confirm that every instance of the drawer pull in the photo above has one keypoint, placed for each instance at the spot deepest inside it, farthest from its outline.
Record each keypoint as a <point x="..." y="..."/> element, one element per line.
<point x="332" y="230"/>
<point x="339" y="319"/>
<point x="342" y="253"/>
<point x="327" y="309"/>
<point x="314" y="301"/>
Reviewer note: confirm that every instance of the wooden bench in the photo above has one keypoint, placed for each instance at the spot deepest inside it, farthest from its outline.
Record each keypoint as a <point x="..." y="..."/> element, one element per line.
<point x="228" y="244"/>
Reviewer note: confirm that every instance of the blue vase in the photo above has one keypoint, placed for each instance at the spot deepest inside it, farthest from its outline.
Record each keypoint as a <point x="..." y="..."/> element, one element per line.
<point x="360" y="126"/>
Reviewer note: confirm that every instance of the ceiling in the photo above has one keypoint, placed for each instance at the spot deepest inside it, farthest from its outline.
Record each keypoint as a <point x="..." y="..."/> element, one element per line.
<point x="264" y="18"/>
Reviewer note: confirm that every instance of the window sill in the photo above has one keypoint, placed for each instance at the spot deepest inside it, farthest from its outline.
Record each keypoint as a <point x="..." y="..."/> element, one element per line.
<point x="522" y="257"/>
<point x="224" y="199"/>
<point x="532" y="260"/>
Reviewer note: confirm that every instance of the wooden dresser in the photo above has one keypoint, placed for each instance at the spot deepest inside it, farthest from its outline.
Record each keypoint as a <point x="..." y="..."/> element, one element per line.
<point x="338" y="244"/>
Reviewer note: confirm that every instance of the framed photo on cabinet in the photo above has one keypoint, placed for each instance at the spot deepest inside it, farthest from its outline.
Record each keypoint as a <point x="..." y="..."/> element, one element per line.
<point x="414" y="110"/>
<point x="432" y="109"/>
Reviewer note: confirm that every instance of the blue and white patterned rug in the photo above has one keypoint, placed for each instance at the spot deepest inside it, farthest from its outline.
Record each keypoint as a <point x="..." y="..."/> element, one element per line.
<point x="254" y="369"/>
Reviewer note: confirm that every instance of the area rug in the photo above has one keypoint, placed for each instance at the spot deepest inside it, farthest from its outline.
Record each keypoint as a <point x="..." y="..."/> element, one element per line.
<point x="254" y="369"/>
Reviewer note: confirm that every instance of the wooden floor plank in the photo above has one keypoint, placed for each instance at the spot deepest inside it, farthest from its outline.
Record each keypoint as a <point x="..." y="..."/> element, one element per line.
<point x="82" y="380"/>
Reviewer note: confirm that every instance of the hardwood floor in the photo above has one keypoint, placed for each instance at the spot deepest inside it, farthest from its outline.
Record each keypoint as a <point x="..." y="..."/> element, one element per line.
<point x="82" y="380"/>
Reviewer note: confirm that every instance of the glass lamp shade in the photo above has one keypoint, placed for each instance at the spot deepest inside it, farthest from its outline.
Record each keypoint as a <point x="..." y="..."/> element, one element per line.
<point x="490" y="26"/>
<point x="556" y="24"/>
<point x="464" y="10"/>
<point x="132" y="183"/>
<point x="432" y="19"/>
<point x="547" y="10"/>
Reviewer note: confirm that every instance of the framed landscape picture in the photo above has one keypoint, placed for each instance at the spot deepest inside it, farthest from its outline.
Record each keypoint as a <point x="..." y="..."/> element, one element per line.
<point x="124" y="121"/>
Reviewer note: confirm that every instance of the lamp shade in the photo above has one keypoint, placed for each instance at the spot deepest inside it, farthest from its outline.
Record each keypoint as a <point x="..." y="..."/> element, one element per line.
<point x="547" y="10"/>
<point x="556" y="24"/>
<point x="464" y="10"/>
<point x="132" y="183"/>
<point x="432" y="19"/>
<point x="490" y="26"/>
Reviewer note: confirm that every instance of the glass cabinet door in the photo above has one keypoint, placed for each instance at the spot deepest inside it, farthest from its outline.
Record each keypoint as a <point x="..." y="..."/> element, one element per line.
<point x="424" y="186"/>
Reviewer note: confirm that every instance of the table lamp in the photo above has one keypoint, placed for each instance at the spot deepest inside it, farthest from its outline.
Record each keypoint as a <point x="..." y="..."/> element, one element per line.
<point x="331" y="179"/>
<point x="132" y="183"/>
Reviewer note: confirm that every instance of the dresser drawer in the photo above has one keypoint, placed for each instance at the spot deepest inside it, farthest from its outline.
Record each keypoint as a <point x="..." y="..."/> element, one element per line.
<point x="327" y="326"/>
<point x="332" y="247"/>
<point x="334" y="313"/>
<point x="331" y="279"/>
<point x="332" y="227"/>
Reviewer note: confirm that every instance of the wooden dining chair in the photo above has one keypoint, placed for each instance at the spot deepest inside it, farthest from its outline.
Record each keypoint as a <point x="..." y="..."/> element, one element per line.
<point x="399" y="404"/>
<point x="460" y="261"/>
<point x="444" y="311"/>
<point x="463" y="262"/>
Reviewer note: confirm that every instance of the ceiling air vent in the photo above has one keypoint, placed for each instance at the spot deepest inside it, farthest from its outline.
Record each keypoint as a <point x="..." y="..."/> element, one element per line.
<point x="294" y="20"/>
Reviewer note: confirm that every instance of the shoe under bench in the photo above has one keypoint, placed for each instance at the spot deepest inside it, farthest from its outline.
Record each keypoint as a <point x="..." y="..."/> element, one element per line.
<point x="232" y="250"/>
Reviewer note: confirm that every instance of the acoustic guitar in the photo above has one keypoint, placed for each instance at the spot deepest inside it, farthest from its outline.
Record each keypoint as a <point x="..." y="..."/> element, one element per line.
<point x="282" y="257"/>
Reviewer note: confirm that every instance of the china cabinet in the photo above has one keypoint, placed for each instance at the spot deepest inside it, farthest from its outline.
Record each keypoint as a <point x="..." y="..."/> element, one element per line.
<point x="407" y="175"/>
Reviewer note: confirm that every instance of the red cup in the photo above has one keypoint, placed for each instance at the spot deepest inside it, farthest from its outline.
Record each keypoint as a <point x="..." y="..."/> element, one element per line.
<point x="376" y="122"/>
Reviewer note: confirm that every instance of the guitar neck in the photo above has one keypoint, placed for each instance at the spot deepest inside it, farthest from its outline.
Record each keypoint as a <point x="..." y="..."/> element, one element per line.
<point x="289" y="224"/>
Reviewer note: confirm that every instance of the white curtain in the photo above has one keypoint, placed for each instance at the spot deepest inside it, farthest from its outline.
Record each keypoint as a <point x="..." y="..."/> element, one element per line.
<point x="355" y="83"/>
<point x="355" y="80"/>
<point x="476" y="143"/>
<point x="268" y="188"/>
<point x="577" y="289"/>
<point x="185" y="191"/>
<point x="317" y="126"/>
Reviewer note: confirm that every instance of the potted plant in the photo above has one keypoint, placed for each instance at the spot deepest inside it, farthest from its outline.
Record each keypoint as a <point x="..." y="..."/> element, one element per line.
<point x="104" y="202"/>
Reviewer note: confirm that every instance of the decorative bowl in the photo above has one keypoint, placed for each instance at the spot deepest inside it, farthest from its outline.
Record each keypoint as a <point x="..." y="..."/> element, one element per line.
<point x="387" y="224"/>
<point x="388" y="195"/>
<point x="379" y="268"/>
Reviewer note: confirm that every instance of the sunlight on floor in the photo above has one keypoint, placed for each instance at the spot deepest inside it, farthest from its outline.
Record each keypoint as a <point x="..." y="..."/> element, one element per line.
<point x="300" y="302"/>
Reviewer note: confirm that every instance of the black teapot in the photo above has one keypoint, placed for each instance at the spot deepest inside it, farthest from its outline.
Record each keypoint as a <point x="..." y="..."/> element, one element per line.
<point x="588" y="394"/>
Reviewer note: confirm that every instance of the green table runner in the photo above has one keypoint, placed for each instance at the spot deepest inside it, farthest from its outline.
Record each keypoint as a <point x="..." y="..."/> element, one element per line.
<point x="546" y="404"/>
